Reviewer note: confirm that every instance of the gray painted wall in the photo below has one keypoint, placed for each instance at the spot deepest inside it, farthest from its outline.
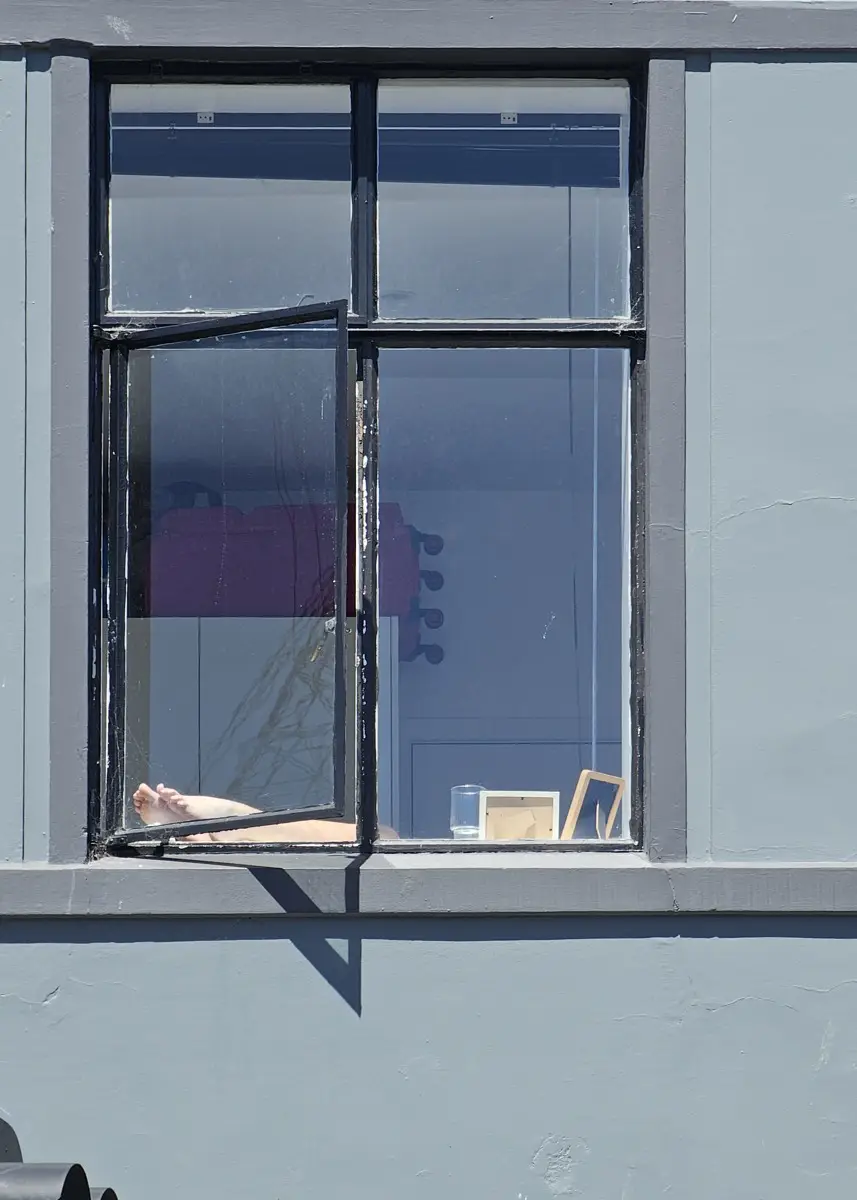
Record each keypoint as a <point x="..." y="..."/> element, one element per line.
<point x="770" y="493"/>
<point x="44" y="389"/>
<point x="464" y="1059"/>
<point x="771" y="484"/>
<point x="483" y="1058"/>
<point x="13" y="107"/>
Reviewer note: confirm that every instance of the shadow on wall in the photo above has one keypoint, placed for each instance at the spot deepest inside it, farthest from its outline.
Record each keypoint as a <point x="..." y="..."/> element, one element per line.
<point x="319" y="942"/>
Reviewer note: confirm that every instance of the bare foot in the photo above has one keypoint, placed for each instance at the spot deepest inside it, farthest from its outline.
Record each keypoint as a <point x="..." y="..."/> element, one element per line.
<point x="151" y="808"/>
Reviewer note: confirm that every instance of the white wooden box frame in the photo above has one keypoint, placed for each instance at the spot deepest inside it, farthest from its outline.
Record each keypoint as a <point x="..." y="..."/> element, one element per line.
<point x="493" y="794"/>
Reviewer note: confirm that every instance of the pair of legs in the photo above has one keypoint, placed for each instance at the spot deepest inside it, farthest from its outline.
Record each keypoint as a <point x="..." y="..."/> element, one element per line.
<point x="164" y="805"/>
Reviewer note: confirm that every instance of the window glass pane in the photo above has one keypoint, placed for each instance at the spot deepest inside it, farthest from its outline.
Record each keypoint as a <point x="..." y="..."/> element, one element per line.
<point x="504" y="591"/>
<point x="229" y="197"/>
<point x="505" y="200"/>
<point x="231" y="646"/>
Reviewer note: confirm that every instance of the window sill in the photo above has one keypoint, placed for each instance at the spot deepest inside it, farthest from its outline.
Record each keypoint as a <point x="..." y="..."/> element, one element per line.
<point x="419" y="885"/>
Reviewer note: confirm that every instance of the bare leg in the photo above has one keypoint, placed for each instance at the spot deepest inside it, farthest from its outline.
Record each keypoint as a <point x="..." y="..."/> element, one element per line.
<point x="330" y="830"/>
<point x="200" y="808"/>
<point x="165" y="805"/>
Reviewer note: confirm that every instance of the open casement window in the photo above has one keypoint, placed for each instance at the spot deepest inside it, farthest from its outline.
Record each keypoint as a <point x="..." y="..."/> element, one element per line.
<point x="225" y="621"/>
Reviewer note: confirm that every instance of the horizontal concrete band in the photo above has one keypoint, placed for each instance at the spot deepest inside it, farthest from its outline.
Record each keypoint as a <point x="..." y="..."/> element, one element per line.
<point x="373" y="25"/>
<point x="418" y="884"/>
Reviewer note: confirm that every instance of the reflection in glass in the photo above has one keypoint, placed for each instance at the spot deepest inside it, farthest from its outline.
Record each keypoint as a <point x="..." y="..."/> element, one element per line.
<point x="504" y="200"/>
<point x="231" y="647"/>
<point x="227" y="197"/>
<point x="504" y="598"/>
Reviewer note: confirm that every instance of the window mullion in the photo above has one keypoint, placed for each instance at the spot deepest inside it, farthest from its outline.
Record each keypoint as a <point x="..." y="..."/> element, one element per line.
<point x="369" y="604"/>
<point x="364" y="168"/>
<point x="117" y="581"/>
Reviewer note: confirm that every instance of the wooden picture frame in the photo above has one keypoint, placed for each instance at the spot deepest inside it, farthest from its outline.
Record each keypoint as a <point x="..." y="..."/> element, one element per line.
<point x="586" y="777"/>
<point x="512" y="816"/>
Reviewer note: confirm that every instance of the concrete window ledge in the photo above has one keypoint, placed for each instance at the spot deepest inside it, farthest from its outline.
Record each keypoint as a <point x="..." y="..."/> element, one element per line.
<point x="419" y="884"/>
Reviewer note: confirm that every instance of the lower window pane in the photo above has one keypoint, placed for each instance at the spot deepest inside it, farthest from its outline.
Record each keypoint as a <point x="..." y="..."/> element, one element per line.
<point x="232" y="608"/>
<point x="504" y="697"/>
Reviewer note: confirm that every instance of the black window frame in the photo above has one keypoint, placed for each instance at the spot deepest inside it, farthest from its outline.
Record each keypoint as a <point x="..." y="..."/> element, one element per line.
<point x="367" y="333"/>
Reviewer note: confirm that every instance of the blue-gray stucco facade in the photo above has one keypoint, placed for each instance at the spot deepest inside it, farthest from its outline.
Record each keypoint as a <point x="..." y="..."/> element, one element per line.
<point x="631" y="1026"/>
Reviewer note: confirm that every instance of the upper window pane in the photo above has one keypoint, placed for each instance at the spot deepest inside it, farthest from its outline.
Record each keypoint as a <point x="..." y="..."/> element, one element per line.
<point x="503" y="199"/>
<point x="226" y="197"/>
